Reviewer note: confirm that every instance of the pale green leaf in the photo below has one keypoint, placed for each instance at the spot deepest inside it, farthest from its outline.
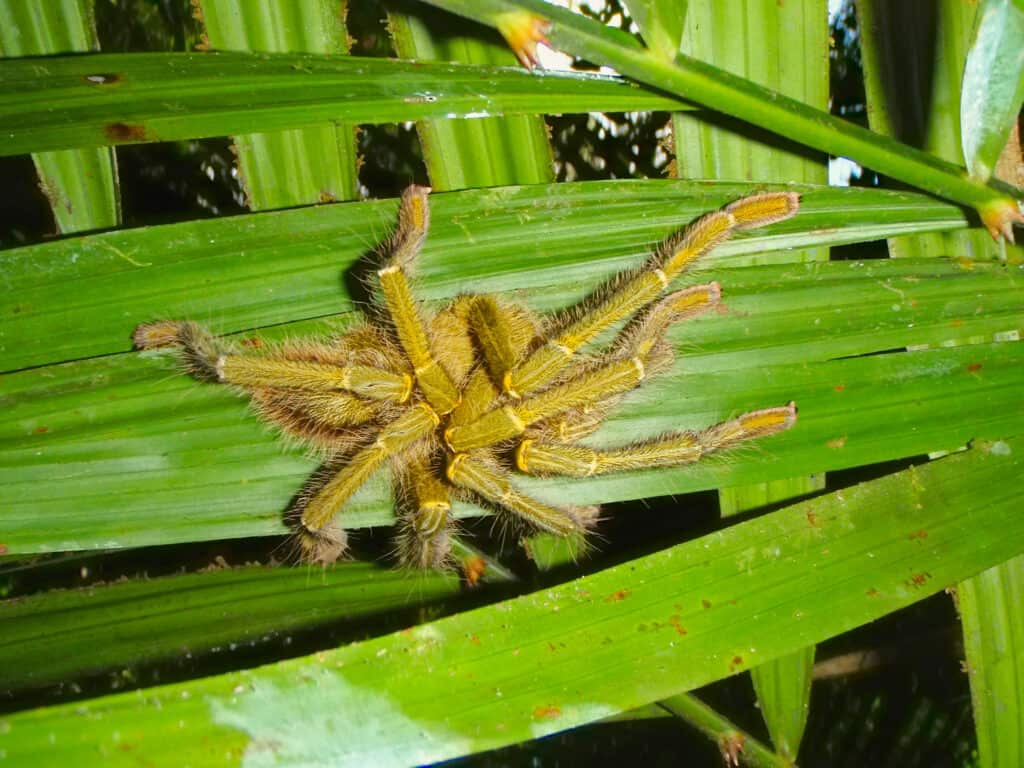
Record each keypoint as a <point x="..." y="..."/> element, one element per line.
<point x="296" y="167"/>
<point x="993" y="84"/>
<point x="990" y="609"/>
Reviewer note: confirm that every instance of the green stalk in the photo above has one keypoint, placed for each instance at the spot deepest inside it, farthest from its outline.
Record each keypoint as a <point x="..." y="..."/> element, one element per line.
<point x="738" y="747"/>
<point x="295" y="167"/>
<point x="700" y="82"/>
<point x="994" y="644"/>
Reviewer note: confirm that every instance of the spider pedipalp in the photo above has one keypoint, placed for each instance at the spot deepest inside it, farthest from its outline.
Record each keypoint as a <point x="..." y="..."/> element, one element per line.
<point x="458" y="402"/>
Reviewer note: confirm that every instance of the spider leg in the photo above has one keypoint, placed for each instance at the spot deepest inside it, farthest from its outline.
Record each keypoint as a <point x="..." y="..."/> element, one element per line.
<point x="332" y="422"/>
<point x="644" y="335"/>
<point x="209" y="358"/>
<point x="251" y="372"/>
<point x="200" y="348"/>
<point x="607" y="380"/>
<point x="425" y="524"/>
<point x="503" y="334"/>
<point x="475" y="473"/>
<point x="417" y="422"/>
<point x="629" y="294"/>
<point x="641" y="351"/>
<point x="433" y="380"/>
<point x="538" y="457"/>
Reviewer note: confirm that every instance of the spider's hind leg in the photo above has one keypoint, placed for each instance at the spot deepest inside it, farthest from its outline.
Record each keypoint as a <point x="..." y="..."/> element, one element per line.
<point x="319" y="510"/>
<point x="480" y="475"/>
<point x="540" y="457"/>
<point x="425" y="523"/>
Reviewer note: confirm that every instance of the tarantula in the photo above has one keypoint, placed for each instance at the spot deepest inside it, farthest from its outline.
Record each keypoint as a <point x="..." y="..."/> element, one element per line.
<point x="459" y="402"/>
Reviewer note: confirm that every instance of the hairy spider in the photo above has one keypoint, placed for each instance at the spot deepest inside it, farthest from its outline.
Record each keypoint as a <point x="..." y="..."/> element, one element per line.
<point x="458" y="402"/>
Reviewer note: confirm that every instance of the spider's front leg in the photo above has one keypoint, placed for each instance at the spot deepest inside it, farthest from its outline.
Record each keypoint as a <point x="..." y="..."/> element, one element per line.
<point x="632" y="291"/>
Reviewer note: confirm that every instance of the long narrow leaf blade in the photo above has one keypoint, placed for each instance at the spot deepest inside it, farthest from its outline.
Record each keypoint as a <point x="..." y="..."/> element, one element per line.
<point x="990" y="609"/>
<point x="572" y="654"/>
<point x="124" y="451"/>
<point x="80" y="297"/>
<point x="993" y="88"/>
<point x="88" y="101"/>
<point x="58" y="636"/>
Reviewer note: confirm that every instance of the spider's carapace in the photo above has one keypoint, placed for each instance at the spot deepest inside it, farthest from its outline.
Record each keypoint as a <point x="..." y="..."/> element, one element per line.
<point x="460" y="402"/>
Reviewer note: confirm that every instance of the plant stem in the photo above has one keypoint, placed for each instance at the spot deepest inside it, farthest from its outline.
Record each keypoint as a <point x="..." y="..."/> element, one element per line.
<point x="736" y="96"/>
<point x="737" y="747"/>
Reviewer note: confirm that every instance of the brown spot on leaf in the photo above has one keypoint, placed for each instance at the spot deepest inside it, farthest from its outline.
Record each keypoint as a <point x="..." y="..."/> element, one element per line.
<point x="474" y="640"/>
<point x="252" y="343"/>
<point x="737" y="661"/>
<point x="41" y="430"/>
<point x="615" y="597"/>
<point x="676" y="623"/>
<point x="125" y="132"/>
<point x="812" y="518"/>
<point x="872" y="592"/>
<point x="706" y="604"/>
<point x="839" y="442"/>
<point x="3" y="549"/>
<point x="916" y="535"/>
<point x="547" y="712"/>
<point x="919" y="579"/>
<point x="839" y="387"/>
<point x="974" y="367"/>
